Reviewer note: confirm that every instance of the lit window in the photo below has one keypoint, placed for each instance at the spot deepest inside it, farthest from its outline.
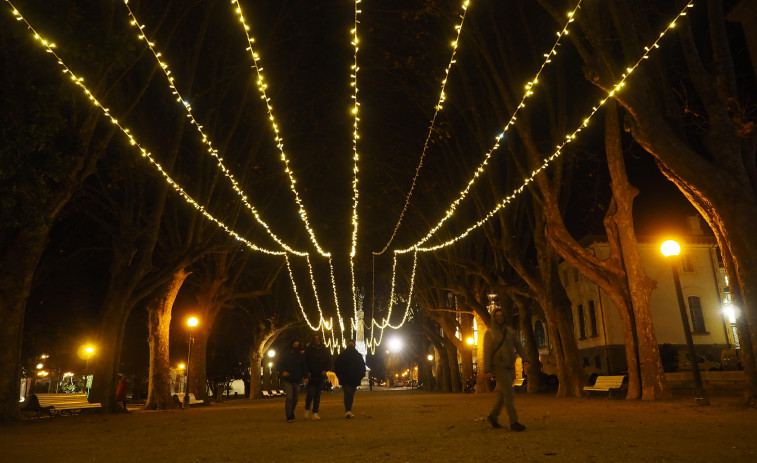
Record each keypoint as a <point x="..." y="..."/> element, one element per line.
<point x="695" y="312"/>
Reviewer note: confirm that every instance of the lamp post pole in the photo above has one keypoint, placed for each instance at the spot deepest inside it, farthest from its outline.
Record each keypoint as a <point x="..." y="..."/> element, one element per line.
<point x="89" y="351"/>
<point x="702" y="397"/>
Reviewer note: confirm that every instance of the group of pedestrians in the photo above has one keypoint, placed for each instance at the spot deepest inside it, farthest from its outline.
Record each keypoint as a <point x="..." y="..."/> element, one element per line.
<point x="501" y="345"/>
<point x="311" y="364"/>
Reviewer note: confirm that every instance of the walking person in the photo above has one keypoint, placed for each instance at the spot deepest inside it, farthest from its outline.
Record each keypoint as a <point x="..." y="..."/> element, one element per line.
<point x="318" y="361"/>
<point x="122" y="390"/>
<point x="350" y="370"/>
<point x="292" y="369"/>
<point x="500" y="344"/>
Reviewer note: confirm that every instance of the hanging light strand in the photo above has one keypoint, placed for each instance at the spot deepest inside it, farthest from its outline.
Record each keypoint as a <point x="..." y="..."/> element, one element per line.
<point x="262" y="86"/>
<point x="79" y="82"/>
<point x="437" y="109"/>
<point x="205" y="140"/>
<point x="529" y="91"/>
<point x="568" y="138"/>
<point x="355" y="157"/>
<point x="321" y="322"/>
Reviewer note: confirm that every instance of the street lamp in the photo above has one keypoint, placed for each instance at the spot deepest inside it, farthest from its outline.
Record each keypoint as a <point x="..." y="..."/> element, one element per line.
<point x="191" y="323"/>
<point x="88" y="350"/>
<point x="672" y="249"/>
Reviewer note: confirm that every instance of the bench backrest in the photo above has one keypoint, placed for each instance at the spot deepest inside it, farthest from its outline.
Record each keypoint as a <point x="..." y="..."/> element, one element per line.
<point x="615" y="381"/>
<point x="52" y="399"/>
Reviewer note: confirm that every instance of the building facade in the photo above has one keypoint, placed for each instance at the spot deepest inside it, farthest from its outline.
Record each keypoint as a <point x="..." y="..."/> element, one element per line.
<point x="597" y="324"/>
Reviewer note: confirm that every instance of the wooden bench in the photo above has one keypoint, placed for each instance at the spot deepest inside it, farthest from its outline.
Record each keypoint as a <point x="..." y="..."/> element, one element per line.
<point x="57" y="404"/>
<point x="179" y="396"/>
<point x="519" y="384"/>
<point x="267" y="395"/>
<point x="606" y="384"/>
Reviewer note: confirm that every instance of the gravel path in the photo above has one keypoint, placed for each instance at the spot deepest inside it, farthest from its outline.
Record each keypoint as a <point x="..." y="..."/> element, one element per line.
<point x="398" y="426"/>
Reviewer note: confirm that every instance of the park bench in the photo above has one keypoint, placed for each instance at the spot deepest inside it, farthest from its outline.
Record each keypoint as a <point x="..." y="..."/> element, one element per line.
<point x="519" y="384"/>
<point x="267" y="395"/>
<point x="606" y="384"/>
<point x="57" y="403"/>
<point x="179" y="396"/>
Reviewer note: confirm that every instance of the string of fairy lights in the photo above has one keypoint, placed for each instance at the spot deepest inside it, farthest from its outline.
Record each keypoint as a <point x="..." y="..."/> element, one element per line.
<point x="204" y="138"/>
<point x="262" y="86"/>
<point x="437" y="109"/>
<point x="79" y="82"/>
<point x="568" y="138"/>
<point x="327" y="327"/>
<point x="529" y="91"/>
<point x="355" y="156"/>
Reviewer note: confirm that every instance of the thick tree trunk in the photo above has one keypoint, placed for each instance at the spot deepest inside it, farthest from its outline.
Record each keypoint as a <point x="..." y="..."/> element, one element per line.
<point x="19" y="260"/>
<point x="158" y="328"/>
<point x="482" y="382"/>
<point x="450" y="349"/>
<point x="256" y="363"/>
<point x="198" y="373"/>
<point x="443" y="370"/>
<point x="107" y="356"/>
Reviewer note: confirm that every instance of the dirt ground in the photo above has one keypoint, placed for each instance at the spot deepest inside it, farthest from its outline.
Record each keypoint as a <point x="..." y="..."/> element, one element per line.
<point x="398" y="426"/>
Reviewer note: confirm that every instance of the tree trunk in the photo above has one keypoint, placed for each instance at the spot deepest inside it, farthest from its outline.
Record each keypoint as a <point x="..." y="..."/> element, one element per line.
<point x="158" y="327"/>
<point x="198" y="373"/>
<point x="107" y="356"/>
<point x="455" y="381"/>
<point x="482" y="382"/>
<point x="256" y="363"/>
<point x="19" y="260"/>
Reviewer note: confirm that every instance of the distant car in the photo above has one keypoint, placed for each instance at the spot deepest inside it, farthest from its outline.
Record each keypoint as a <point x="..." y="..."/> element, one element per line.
<point x="684" y="362"/>
<point x="549" y="368"/>
<point x="730" y="360"/>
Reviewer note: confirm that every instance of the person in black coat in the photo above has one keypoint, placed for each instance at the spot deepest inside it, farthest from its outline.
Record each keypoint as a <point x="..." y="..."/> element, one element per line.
<point x="318" y="361"/>
<point x="350" y="370"/>
<point x="292" y="369"/>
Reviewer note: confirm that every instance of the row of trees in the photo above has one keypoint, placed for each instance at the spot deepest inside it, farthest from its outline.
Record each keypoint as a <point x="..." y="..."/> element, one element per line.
<point x="687" y="106"/>
<point x="65" y="164"/>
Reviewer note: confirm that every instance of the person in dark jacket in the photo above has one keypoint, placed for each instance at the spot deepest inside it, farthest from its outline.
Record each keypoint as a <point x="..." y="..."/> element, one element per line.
<point x="350" y="369"/>
<point x="500" y="345"/>
<point x="318" y="361"/>
<point x="122" y="389"/>
<point x="292" y="369"/>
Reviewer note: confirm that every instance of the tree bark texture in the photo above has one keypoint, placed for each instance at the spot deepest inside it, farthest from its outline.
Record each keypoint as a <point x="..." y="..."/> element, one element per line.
<point x="158" y="329"/>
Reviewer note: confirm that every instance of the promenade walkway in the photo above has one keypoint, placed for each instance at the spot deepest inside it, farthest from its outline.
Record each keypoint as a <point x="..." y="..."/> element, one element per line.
<point x="398" y="426"/>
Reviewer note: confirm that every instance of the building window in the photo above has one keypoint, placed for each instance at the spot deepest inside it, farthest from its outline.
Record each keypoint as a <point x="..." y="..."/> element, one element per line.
<point x="687" y="262"/>
<point x="581" y="322"/>
<point x="592" y="319"/>
<point x="539" y="334"/>
<point x="695" y="312"/>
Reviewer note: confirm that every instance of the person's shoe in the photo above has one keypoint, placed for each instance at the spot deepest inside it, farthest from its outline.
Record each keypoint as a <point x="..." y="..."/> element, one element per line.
<point x="349" y="415"/>
<point x="517" y="427"/>
<point x="307" y="414"/>
<point x="493" y="421"/>
<point x="316" y="417"/>
<point x="289" y="420"/>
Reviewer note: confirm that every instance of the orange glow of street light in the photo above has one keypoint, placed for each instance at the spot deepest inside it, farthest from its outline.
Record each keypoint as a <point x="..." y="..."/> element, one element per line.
<point x="670" y="248"/>
<point x="192" y="321"/>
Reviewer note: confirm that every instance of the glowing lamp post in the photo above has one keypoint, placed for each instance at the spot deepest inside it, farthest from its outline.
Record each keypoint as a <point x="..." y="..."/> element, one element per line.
<point x="672" y="249"/>
<point x="191" y="323"/>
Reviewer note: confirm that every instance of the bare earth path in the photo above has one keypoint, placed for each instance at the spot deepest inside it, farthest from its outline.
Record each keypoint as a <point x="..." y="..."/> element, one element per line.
<point x="398" y="426"/>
